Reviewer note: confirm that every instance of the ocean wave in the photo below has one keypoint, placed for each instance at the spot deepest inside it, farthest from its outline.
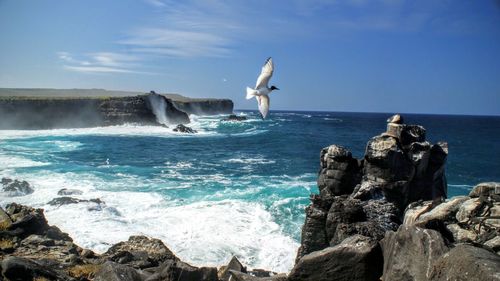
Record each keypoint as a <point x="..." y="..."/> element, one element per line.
<point x="338" y="120"/>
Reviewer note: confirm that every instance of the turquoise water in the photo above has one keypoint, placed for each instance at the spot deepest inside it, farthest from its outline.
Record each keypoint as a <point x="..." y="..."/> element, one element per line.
<point x="235" y="188"/>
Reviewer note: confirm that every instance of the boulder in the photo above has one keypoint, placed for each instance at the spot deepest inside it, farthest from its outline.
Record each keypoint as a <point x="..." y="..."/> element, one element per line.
<point x="466" y="262"/>
<point x="422" y="213"/>
<point x="140" y="252"/>
<point x="175" y="270"/>
<point x="485" y="189"/>
<point x="356" y="258"/>
<point x="410" y="252"/>
<point x="184" y="129"/>
<point x="396" y="119"/>
<point x="111" y="271"/>
<point x="26" y="220"/>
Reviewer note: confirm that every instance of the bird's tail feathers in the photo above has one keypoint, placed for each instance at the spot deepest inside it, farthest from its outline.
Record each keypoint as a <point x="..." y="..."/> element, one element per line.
<point x="251" y="93"/>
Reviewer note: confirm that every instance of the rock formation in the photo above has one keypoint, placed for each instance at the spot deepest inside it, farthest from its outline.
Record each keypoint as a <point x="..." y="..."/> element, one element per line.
<point x="395" y="197"/>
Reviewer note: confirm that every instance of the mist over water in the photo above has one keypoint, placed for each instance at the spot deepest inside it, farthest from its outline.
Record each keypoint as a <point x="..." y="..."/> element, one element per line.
<point x="235" y="188"/>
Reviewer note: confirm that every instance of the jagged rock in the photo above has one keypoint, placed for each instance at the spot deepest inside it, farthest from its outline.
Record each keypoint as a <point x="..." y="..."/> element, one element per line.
<point x="460" y="234"/>
<point x="26" y="220"/>
<point x="234" y="117"/>
<point x="235" y="265"/>
<point x="494" y="244"/>
<point x="411" y="134"/>
<point x="348" y="217"/>
<point x="313" y="236"/>
<point x="65" y="200"/>
<point x="485" y="189"/>
<point x="140" y="252"/>
<point x="16" y="187"/>
<point x="356" y="258"/>
<point x="66" y="192"/>
<point x="184" y="129"/>
<point x="436" y="177"/>
<point x="111" y="271"/>
<point x="175" y="270"/>
<point x="239" y="276"/>
<point x="17" y="268"/>
<point x="466" y="262"/>
<point x="410" y="252"/>
<point x="339" y="172"/>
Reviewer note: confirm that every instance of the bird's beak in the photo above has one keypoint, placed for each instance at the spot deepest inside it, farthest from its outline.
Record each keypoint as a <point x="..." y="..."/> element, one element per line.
<point x="276" y="88"/>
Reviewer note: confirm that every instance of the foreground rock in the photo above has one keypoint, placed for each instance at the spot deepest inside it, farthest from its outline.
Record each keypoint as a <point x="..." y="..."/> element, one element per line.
<point x="400" y="179"/>
<point x="356" y="258"/>
<point x="30" y="249"/>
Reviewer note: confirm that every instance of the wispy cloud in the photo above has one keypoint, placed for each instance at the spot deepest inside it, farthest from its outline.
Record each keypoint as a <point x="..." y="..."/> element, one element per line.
<point x="101" y="62"/>
<point x="187" y="29"/>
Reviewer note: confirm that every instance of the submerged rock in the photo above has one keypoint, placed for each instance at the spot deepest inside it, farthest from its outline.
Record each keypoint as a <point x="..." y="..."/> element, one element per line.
<point x="66" y="200"/>
<point x="16" y="187"/>
<point x="184" y="129"/>
<point x="67" y="191"/>
<point x="234" y="117"/>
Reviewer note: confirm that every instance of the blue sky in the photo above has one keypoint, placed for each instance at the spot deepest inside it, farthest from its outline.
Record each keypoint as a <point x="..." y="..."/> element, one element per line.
<point x="426" y="56"/>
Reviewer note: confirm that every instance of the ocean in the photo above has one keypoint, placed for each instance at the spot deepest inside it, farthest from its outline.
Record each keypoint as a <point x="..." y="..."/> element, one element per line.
<point x="234" y="188"/>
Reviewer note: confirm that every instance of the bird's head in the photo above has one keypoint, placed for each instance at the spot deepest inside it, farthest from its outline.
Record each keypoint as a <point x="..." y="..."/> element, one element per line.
<point x="274" y="88"/>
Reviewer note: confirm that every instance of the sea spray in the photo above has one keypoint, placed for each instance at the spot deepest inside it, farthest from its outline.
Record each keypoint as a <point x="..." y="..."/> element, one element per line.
<point x="159" y="108"/>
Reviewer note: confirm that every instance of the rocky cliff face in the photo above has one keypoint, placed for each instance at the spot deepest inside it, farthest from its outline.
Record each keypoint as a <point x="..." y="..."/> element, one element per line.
<point x="73" y="112"/>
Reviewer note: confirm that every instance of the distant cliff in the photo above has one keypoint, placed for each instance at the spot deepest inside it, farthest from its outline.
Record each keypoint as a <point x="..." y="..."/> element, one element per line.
<point x="46" y="108"/>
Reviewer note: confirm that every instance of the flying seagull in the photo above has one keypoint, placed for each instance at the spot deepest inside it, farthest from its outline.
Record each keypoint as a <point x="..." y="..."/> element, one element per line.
<point x="262" y="90"/>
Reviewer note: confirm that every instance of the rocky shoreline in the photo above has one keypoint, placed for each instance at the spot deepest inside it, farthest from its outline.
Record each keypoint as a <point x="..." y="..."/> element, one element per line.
<point x="383" y="217"/>
<point x="55" y="109"/>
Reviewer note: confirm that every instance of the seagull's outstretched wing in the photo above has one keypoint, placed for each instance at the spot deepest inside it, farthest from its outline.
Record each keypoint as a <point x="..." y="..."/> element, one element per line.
<point x="265" y="74"/>
<point x="263" y="101"/>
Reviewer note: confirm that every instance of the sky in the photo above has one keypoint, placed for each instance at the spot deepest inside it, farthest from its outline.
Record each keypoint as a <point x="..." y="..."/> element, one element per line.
<point x="425" y="56"/>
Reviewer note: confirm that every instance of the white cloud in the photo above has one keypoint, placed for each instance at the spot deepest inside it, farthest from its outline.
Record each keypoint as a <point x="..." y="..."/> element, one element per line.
<point x="101" y="62"/>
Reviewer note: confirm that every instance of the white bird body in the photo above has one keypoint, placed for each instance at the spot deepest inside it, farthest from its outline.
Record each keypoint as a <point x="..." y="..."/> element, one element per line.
<point x="262" y="89"/>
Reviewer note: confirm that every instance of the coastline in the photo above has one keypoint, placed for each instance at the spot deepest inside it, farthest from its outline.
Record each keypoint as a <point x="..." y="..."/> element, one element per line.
<point x="375" y="205"/>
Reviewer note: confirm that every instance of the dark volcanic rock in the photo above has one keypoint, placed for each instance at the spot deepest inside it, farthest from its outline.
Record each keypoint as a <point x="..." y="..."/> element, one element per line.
<point x="184" y="129"/>
<point x="16" y="187"/>
<point x="66" y="192"/>
<point x="65" y="200"/>
<point x="234" y="117"/>
<point x="348" y="217"/>
<point x="466" y="262"/>
<point x="239" y="276"/>
<point x="25" y="220"/>
<point x="356" y="258"/>
<point x="313" y="236"/>
<point x="172" y="270"/>
<point x="111" y="271"/>
<point x="17" y="268"/>
<point x="410" y="252"/>
<point x="140" y="252"/>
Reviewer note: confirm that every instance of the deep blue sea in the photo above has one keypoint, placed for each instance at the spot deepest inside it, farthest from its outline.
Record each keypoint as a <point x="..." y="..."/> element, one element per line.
<point x="235" y="188"/>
